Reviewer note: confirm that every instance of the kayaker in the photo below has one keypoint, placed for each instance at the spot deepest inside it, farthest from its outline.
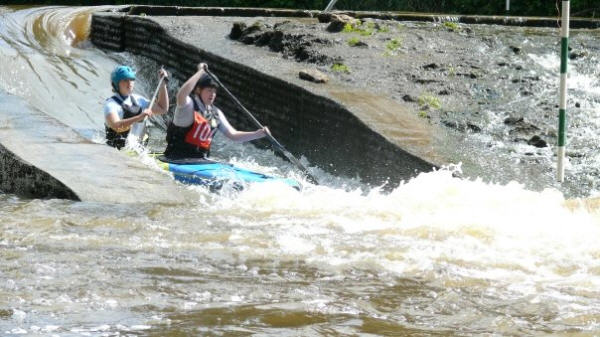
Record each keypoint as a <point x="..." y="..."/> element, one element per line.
<point x="197" y="119"/>
<point x="124" y="108"/>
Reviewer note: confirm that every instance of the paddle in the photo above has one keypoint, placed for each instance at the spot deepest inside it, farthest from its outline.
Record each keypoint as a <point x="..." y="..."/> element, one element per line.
<point x="274" y="141"/>
<point x="137" y="130"/>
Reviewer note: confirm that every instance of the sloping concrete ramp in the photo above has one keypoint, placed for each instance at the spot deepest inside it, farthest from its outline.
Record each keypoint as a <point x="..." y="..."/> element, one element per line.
<point x="43" y="158"/>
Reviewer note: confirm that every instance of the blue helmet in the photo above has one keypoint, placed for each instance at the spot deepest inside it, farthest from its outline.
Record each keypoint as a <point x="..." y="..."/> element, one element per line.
<point x="121" y="73"/>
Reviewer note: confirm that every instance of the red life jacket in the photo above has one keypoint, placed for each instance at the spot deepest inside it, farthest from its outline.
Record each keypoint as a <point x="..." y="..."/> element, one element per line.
<point x="193" y="141"/>
<point x="201" y="132"/>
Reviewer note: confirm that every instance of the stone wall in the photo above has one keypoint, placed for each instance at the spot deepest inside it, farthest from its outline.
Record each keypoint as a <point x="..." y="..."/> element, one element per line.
<point x="324" y="131"/>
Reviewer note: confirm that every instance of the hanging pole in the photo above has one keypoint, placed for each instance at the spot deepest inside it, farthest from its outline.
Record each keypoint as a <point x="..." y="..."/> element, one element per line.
<point x="507" y="6"/>
<point x="330" y="5"/>
<point x="562" y="110"/>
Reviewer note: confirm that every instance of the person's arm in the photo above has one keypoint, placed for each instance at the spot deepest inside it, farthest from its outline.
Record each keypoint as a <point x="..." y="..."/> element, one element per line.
<point x="121" y="125"/>
<point x="189" y="85"/>
<point x="161" y="105"/>
<point x="240" y="136"/>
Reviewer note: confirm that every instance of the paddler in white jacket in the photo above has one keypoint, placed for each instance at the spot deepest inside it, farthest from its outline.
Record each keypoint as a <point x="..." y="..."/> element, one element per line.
<point x="124" y="108"/>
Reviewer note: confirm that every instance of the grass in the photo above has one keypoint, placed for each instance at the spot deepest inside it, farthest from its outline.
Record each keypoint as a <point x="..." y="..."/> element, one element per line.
<point x="348" y="28"/>
<point x="383" y="29"/>
<point x="451" y="71"/>
<point x="353" y="41"/>
<point x="429" y="100"/>
<point x="453" y="26"/>
<point x="393" y="45"/>
<point x="340" y="68"/>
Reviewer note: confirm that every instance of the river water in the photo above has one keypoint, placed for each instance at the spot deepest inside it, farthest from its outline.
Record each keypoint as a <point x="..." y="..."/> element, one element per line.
<point x="438" y="255"/>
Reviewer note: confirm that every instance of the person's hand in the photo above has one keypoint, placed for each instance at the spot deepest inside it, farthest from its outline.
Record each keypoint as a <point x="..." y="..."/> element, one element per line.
<point x="202" y="66"/>
<point x="146" y="113"/>
<point x="162" y="73"/>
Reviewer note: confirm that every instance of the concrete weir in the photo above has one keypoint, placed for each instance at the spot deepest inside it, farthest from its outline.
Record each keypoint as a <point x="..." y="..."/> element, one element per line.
<point x="42" y="158"/>
<point x="311" y="120"/>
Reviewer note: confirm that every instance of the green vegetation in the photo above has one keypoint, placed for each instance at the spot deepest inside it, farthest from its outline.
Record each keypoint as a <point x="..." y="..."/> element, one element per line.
<point x="429" y="100"/>
<point x="383" y="29"/>
<point x="585" y="8"/>
<point x="393" y="44"/>
<point x="340" y="68"/>
<point x="426" y="102"/>
<point x="353" y="41"/>
<point x="453" y="26"/>
<point x="451" y="71"/>
<point x="348" y="28"/>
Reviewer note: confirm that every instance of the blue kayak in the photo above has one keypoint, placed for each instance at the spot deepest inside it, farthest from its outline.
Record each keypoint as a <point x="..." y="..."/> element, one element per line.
<point x="200" y="171"/>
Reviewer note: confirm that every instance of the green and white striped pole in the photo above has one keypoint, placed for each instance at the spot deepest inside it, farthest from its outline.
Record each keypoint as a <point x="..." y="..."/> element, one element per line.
<point x="562" y="110"/>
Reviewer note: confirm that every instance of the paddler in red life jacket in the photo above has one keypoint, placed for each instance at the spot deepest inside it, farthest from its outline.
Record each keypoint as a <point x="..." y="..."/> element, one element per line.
<point x="196" y="120"/>
<point x="125" y="108"/>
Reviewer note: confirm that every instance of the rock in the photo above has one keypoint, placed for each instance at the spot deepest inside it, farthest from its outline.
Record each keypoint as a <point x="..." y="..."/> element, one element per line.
<point x="524" y="128"/>
<point x="444" y="92"/>
<point x="426" y="81"/>
<point x="453" y="125"/>
<point x="537" y="141"/>
<point x="313" y="75"/>
<point x="461" y="126"/>
<point x="577" y="55"/>
<point x="575" y="154"/>
<point x="516" y="50"/>
<point x="276" y="42"/>
<point x="513" y="120"/>
<point x="578" y="105"/>
<point x="264" y="39"/>
<point x="409" y="98"/>
<point x="360" y="44"/>
<point x="473" y="127"/>
<point x="339" y="21"/>
<point x="252" y="33"/>
<point x="236" y="30"/>
<point x="324" y="17"/>
<point x="430" y="66"/>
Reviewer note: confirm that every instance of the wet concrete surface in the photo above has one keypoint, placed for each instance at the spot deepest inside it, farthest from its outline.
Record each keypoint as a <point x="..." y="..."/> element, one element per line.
<point x="43" y="158"/>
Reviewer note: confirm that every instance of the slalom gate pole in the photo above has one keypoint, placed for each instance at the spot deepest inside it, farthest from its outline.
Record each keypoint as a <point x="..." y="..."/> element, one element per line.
<point x="562" y="110"/>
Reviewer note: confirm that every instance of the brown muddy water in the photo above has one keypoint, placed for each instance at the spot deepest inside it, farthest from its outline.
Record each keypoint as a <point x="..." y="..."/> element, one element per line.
<point x="439" y="255"/>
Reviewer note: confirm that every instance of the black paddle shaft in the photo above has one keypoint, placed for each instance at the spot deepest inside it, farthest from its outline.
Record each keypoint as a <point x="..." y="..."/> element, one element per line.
<point x="274" y="141"/>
